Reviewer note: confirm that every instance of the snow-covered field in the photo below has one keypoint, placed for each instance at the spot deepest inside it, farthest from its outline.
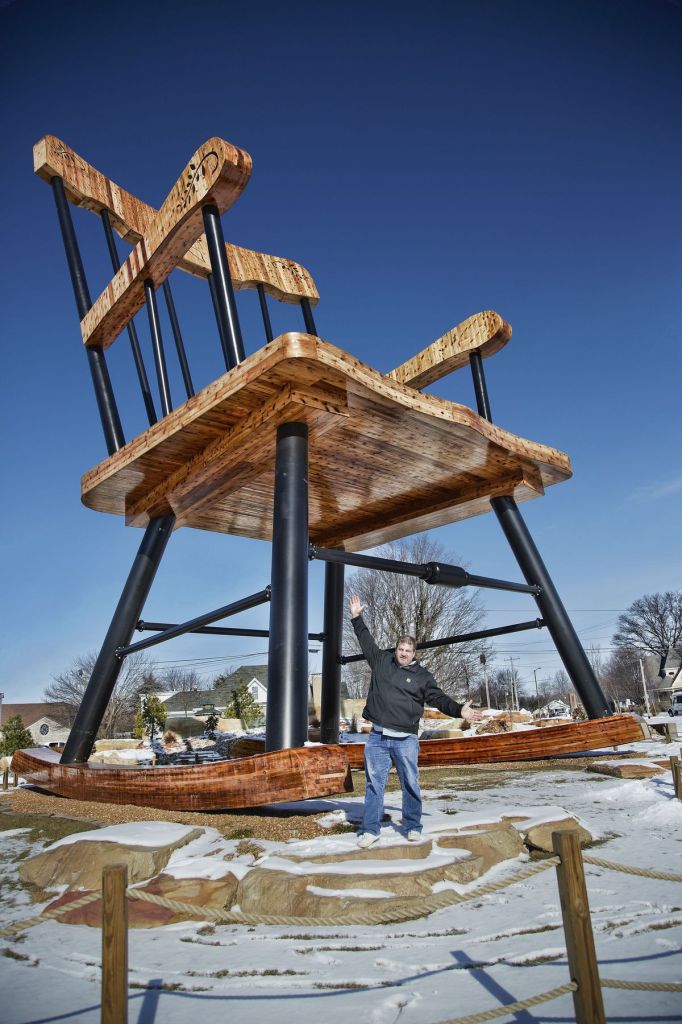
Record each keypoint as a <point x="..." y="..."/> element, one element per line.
<point x="462" y="960"/>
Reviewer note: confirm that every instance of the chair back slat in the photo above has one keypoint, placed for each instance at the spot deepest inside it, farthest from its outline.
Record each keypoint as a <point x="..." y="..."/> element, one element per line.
<point x="177" y="338"/>
<point x="140" y="368"/>
<point x="157" y="346"/>
<point x="222" y="293"/>
<point x="101" y="382"/>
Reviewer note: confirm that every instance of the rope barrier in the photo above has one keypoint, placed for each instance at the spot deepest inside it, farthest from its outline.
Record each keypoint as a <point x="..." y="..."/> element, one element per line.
<point x="48" y="915"/>
<point x="522" y="1004"/>
<point x="414" y="906"/>
<point x="643" y="986"/>
<point x="664" y="876"/>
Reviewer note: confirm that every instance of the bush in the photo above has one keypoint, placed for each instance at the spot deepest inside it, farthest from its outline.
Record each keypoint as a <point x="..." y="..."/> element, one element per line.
<point x="15" y="736"/>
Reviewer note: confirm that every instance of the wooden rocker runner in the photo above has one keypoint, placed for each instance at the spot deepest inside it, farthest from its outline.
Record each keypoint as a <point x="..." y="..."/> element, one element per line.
<point x="298" y="443"/>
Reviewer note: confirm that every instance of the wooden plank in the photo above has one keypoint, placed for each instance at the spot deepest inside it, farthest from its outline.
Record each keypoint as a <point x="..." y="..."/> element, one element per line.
<point x="217" y="173"/>
<point x="575" y="911"/>
<point x="524" y="745"/>
<point x="386" y="459"/>
<point x="296" y="774"/>
<point x="114" y="944"/>
<point x="88" y="188"/>
<point x="484" y="332"/>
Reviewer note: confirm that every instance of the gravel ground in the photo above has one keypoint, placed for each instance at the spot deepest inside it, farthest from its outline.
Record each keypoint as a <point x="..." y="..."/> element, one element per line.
<point x="264" y="823"/>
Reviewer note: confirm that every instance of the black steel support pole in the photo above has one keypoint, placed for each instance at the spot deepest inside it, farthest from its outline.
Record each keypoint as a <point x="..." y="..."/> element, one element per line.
<point x="222" y="291"/>
<point x="552" y="610"/>
<point x="480" y="389"/>
<point x="308" y="317"/>
<point x="460" y="638"/>
<point x="265" y="312"/>
<point x="244" y="604"/>
<point x="101" y="382"/>
<point x="107" y="667"/>
<point x="177" y="338"/>
<point x="533" y="568"/>
<point x="157" y="346"/>
<point x="435" y="573"/>
<point x="286" y="722"/>
<point x="132" y="330"/>
<point x="331" y="653"/>
<point x="216" y="630"/>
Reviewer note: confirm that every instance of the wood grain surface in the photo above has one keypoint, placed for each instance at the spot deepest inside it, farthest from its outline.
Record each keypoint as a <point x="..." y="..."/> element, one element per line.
<point x="88" y="188"/>
<point x="484" y="332"/>
<point x="385" y="460"/>
<point x="524" y="745"/>
<point x="281" y="775"/>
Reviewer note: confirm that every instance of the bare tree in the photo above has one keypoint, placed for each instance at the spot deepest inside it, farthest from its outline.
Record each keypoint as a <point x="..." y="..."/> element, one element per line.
<point x="399" y="604"/>
<point x="69" y="686"/>
<point x="652" y="623"/>
<point x="622" y="676"/>
<point x="185" y="681"/>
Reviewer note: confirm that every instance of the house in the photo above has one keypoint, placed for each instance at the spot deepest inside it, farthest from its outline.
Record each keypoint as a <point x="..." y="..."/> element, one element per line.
<point x="670" y="674"/>
<point x="183" y="704"/>
<point x="555" y="709"/>
<point x="45" y="722"/>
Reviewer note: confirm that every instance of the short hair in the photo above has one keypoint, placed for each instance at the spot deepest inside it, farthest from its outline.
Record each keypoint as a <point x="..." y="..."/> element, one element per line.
<point x="407" y="639"/>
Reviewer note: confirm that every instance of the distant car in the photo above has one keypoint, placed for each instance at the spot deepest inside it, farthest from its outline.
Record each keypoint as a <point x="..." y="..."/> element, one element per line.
<point x="675" y="704"/>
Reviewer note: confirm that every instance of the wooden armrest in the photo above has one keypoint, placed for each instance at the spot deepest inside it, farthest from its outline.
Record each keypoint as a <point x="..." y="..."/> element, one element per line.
<point x="484" y="332"/>
<point x="88" y="188"/>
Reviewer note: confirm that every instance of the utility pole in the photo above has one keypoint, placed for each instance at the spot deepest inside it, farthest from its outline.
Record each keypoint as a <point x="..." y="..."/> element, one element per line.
<point x="514" y="687"/>
<point x="537" y="692"/>
<point x="646" y="695"/>
<point x="483" y="660"/>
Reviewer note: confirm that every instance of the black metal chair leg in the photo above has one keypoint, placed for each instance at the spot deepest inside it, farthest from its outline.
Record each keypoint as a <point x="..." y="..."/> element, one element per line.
<point x="287" y="711"/>
<point x="108" y="666"/>
<point x="551" y="607"/>
<point x="331" y="652"/>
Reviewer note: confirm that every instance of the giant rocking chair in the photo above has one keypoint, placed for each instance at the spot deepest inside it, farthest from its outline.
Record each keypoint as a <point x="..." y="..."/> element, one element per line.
<point x="300" y="444"/>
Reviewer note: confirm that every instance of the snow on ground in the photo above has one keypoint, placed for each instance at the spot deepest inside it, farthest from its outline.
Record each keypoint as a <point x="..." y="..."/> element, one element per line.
<point x="466" y="959"/>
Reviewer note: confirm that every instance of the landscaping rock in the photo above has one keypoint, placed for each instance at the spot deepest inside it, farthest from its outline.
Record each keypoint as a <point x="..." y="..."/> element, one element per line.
<point x="265" y="891"/>
<point x="492" y="843"/>
<point x="201" y="892"/>
<point x="79" y="864"/>
<point x="622" y="770"/>
<point x="539" y="837"/>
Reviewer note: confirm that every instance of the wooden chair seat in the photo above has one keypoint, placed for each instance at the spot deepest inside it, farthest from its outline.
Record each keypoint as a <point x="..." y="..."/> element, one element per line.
<point x="386" y="460"/>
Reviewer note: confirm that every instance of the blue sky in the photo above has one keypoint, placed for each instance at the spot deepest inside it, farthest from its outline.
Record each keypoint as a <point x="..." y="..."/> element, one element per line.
<point x="424" y="161"/>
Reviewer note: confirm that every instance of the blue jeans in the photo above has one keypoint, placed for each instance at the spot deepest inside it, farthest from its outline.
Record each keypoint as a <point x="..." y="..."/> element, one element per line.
<point x="380" y="752"/>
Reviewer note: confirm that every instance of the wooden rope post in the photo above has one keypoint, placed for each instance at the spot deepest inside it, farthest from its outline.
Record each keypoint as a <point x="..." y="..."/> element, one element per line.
<point x="5" y="779"/>
<point x="575" y="910"/>
<point x="15" y="780"/>
<point x="114" y="945"/>
<point x="677" y="776"/>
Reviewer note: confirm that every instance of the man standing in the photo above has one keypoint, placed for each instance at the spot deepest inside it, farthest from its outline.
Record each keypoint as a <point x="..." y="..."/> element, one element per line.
<point x="398" y="690"/>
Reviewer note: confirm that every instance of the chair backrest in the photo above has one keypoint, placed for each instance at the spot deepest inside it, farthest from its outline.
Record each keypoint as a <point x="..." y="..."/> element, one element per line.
<point x="185" y="233"/>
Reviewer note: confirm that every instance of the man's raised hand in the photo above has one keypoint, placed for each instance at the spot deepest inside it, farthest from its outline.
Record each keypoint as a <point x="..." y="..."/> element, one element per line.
<point x="356" y="606"/>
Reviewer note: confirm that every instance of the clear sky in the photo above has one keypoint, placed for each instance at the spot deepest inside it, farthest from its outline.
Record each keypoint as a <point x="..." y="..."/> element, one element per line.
<point x="424" y="161"/>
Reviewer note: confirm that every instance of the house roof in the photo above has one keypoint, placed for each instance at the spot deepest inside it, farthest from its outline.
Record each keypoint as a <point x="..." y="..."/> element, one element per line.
<point x="30" y="713"/>
<point x="220" y="694"/>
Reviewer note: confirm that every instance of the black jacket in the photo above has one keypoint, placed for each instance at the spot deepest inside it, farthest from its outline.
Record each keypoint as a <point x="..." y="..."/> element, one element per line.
<point x="397" y="693"/>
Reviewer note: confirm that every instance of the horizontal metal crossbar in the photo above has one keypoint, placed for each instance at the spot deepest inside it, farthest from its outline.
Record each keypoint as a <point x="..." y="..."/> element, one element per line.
<point x="252" y="601"/>
<point x="143" y="626"/>
<point x="439" y="573"/>
<point x="461" y="638"/>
